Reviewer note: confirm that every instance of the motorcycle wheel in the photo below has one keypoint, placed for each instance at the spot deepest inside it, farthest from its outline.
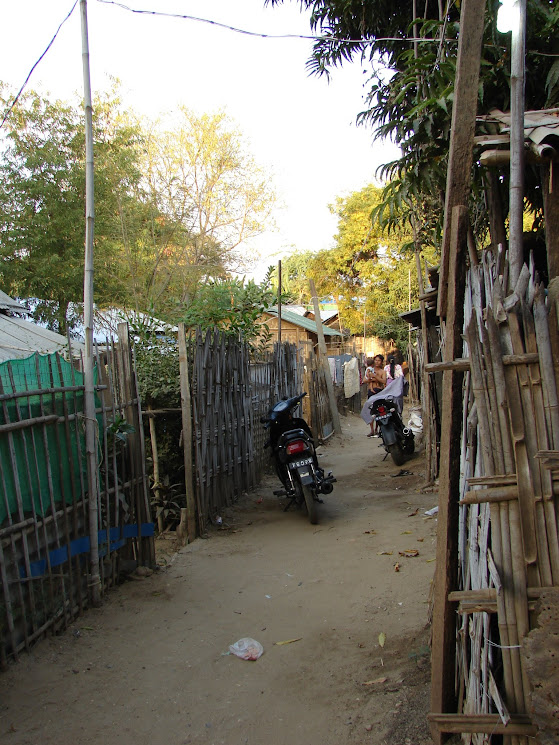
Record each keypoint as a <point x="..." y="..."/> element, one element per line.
<point x="397" y="454"/>
<point x="312" y="510"/>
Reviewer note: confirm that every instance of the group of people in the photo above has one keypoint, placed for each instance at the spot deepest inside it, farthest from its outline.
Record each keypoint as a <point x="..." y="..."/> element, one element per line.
<point x="378" y="375"/>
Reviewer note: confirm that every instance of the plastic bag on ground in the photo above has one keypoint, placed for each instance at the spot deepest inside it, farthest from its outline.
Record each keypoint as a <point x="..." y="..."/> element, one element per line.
<point x="247" y="649"/>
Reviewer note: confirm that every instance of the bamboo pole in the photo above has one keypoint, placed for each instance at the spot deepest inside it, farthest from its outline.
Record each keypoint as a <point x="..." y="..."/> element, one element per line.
<point x="191" y="498"/>
<point x="89" y="400"/>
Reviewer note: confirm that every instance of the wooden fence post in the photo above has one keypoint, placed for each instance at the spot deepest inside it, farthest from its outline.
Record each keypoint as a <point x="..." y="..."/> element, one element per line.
<point x="443" y="656"/>
<point x="186" y="410"/>
<point x="323" y="358"/>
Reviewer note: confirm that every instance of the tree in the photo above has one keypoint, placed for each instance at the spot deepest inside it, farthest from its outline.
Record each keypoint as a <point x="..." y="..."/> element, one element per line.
<point x="210" y="197"/>
<point x="233" y="306"/>
<point x="294" y="277"/>
<point x="411" y="90"/>
<point x="173" y="206"/>
<point x="42" y="202"/>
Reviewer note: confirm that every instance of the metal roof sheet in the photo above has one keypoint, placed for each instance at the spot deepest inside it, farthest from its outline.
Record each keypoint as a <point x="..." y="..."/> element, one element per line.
<point x="8" y="303"/>
<point x="20" y="338"/>
<point x="303" y="322"/>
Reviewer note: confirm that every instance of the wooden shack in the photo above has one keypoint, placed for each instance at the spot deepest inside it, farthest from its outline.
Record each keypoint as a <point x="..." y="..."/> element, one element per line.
<point x="296" y="329"/>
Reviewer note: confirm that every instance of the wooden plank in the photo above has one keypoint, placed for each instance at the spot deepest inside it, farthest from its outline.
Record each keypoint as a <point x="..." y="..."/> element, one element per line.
<point x="462" y="131"/>
<point x="463" y="363"/>
<point x="444" y="633"/>
<point x="483" y="723"/>
<point x="323" y="356"/>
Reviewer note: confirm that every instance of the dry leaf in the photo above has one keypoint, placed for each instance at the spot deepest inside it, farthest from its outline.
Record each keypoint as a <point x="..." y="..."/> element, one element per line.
<point x="384" y="553"/>
<point x="414" y="512"/>
<point x="374" y="682"/>
<point x="406" y="532"/>
<point x="396" y="567"/>
<point x="409" y="552"/>
<point x="381" y="638"/>
<point x="370" y="532"/>
<point x="287" y="641"/>
<point x="420" y="540"/>
<point x="429" y="560"/>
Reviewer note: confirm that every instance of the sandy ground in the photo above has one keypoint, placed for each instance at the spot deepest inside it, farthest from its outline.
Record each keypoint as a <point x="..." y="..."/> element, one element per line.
<point x="151" y="666"/>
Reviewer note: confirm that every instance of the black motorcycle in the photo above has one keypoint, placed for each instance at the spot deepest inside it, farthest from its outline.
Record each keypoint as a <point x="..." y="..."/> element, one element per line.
<point x="294" y="455"/>
<point x="386" y="409"/>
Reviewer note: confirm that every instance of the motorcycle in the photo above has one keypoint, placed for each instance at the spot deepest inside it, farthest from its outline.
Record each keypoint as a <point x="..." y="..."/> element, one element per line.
<point x="386" y="409"/>
<point x="294" y="455"/>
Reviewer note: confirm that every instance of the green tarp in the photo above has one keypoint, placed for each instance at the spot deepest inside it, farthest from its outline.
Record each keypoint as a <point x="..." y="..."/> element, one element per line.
<point x="40" y="465"/>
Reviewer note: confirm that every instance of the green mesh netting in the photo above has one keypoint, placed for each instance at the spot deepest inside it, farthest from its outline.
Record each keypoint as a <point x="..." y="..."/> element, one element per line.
<point x="43" y="465"/>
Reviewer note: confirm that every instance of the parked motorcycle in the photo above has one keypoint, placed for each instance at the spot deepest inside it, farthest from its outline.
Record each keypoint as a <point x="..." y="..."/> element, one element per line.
<point x="294" y="455"/>
<point x="386" y="409"/>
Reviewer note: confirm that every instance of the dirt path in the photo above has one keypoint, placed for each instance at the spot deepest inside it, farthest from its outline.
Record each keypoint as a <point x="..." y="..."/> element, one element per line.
<point x="150" y="667"/>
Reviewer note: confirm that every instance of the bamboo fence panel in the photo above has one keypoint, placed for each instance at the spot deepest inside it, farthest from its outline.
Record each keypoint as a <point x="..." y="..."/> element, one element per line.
<point x="230" y="392"/>
<point x="508" y="536"/>
<point x="44" y="534"/>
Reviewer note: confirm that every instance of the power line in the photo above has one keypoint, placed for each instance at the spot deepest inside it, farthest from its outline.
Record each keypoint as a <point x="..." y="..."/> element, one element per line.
<point x="327" y="37"/>
<point x="10" y="109"/>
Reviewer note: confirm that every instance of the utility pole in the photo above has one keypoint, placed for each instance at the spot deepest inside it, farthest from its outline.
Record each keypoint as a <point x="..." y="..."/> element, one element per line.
<point x="89" y="392"/>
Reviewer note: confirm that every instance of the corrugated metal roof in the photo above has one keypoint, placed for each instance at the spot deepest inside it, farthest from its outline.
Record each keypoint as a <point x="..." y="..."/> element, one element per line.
<point x="303" y="322"/>
<point x="538" y="125"/>
<point x="8" y="303"/>
<point x="20" y="338"/>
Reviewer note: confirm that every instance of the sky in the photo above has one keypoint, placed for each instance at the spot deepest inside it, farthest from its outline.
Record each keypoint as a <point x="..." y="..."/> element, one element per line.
<point x="301" y="129"/>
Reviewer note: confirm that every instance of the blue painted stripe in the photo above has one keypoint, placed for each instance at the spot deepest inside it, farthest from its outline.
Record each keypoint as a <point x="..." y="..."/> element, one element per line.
<point x="118" y="537"/>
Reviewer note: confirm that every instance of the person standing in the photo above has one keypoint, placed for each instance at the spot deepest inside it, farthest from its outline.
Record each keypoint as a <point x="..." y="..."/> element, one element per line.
<point x="375" y="377"/>
<point x="393" y="370"/>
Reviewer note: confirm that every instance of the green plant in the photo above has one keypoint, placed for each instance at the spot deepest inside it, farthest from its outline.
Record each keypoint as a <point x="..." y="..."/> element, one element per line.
<point x="167" y="501"/>
<point x="118" y="430"/>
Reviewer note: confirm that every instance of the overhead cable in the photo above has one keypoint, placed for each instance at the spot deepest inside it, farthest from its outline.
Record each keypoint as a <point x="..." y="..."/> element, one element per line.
<point x="327" y="37"/>
<point x="51" y="42"/>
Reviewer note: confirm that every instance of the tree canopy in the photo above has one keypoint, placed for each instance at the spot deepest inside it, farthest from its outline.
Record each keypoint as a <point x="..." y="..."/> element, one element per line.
<point x="369" y="273"/>
<point x="411" y="89"/>
<point x="174" y="204"/>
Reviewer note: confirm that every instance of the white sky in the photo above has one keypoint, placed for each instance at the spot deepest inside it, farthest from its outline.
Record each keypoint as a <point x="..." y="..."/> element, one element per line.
<point x="301" y="129"/>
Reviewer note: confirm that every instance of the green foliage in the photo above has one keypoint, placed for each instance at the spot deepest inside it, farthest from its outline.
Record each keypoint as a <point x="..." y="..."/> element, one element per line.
<point x="234" y="307"/>
<point x="167" y="500"/>
<point x="172" y="205"/>
<point x="157" y="365"/>
<point x="118" y="430"/>
<point x="42" y="202"/>
<point x="411" y="91"/>
<point x="370" y="273"/>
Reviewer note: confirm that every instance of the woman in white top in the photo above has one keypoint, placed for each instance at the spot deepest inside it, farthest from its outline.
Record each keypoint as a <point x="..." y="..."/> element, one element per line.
<point x="393" y="370"/>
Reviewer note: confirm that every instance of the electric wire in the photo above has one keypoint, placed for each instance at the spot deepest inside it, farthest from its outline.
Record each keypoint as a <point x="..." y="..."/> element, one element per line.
<point x="307" y="37"/>
<point x="51" y="42"/>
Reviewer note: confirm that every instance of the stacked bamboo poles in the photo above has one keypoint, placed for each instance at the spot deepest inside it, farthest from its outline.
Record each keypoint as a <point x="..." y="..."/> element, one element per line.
<point x="516" y="415"/>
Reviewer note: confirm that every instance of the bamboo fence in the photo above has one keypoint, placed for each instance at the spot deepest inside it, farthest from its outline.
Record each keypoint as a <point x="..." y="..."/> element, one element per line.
<point x="44" y="532"/>
<point x="508" y="536"/>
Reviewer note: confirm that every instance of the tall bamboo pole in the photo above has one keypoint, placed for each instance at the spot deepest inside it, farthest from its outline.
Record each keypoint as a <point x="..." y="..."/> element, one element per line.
<point x="279" y="302"/>
<point x="89" y="392"/>
<point x="516" y="192"/>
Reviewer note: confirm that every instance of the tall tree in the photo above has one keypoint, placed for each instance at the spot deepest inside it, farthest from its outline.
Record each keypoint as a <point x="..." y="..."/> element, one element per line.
<point x="411" y="88"/>
<point x="42" y="202"/>
<point x="210" y="194"/>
